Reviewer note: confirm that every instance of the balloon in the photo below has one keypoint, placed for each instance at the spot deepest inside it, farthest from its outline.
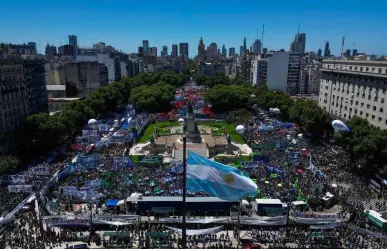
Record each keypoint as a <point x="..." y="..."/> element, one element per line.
<point x="338" y="125"/>
<point x="240" y="129"/>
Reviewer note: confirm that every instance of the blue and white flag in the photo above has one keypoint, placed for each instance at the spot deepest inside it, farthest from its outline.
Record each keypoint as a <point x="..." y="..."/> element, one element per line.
<point x="216" y="179"/>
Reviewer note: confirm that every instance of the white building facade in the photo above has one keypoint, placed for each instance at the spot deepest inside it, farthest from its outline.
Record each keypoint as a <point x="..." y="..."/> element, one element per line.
<point x="351" y="88"/>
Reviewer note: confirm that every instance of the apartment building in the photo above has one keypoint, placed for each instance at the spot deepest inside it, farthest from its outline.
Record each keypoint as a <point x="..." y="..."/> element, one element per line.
<point x="355" y="88"/>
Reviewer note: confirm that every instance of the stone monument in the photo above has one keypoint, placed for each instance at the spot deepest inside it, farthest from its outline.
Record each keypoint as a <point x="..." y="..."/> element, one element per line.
<point x="191" y="129"/>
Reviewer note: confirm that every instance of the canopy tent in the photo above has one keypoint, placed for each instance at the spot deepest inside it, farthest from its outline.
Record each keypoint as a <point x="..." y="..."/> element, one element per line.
<point x="111" y="203"/>
<point x="198" y="231"/>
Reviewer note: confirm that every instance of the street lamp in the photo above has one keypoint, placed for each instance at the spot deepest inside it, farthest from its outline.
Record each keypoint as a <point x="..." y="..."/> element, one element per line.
<point x="181" y="121"/>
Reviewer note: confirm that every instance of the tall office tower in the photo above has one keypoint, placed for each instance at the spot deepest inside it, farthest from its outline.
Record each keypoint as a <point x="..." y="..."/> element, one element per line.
<point x="298" y="45"/>
<point x="165" y="50"/>
<point x="224" y="51"/>
<point x="231" y="51"/>
<point x="73" y="41"/>
<point x="257" y="46"/>
<point x="264" y="51"/>
<point x="201" y="47"/>
<point x="347" y="52"/>
<point x="241" y="51"/>
<point x="140" y="51"/>
<point x="327" y="52"/>
<point x="175" y="51"/>
<point x="184" y="49"/>
<point x="319" y="52"/>
<point x="354" y="52"/>
<point x="211" y="51"/>
<point x="145" y="45"/>
<point x="244" y="45"/>
<point x="33" y="45"/>
<point x="153" y="51"/>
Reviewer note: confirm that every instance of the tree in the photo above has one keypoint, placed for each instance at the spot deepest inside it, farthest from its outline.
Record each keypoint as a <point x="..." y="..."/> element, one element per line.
<point x="153" y="99"/>
<point x="9" y="164"/>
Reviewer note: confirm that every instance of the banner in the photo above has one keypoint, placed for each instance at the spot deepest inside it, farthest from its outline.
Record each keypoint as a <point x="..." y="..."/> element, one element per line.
<point x="12" y="179"/>
<point x="197" y="231"/>
<point x="89" y="133"/>
<point x="20" y="189"/>
<point x="40" y="170"/>
<point x="103" y="127"/>
<point x="323" y="227"/>
<point x="90" y="161"/>
<point x="368" y="232"/>
<point x="200" y="221"/>
<point x="69" y="222"/>
<point x="93" y="183"/>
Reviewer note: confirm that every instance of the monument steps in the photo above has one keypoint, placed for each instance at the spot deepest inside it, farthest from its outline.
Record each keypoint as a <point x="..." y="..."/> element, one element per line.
<point x="200" y="151"/>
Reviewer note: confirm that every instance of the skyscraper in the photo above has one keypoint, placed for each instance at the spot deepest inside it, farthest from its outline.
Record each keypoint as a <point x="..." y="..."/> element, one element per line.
<point x="319" y="52"/>
<point x="348" y="52"/>
<point x="211" y="51"/>
<point x="201" y="47"/>
<point x="244" y="45"/>
<point x="145" y="45"/>
<point x="165" y="50"/>
<point x="175" y="51"/>
<point x="257" y="46"/>
<point x="73" y="41"/>
<point x="298" y="45"/>
<point x="224" y="51"/>
<point x="153" y="51"/>
<point x="33" y="45"/>
<point x="327" y="52"/>
<point x="231" y="51"/>
<point x="140" y="51"/>
<point x="241" y="51"/>
<point x="354" y="52"/>
<point x="184" y="49"/>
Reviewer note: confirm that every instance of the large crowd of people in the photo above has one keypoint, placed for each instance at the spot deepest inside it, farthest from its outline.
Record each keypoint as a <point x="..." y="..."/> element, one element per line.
<point x="286" y="165"/>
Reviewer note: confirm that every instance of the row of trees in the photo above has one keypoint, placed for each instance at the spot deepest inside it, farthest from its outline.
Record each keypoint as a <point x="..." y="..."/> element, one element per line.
<point x="365" y="143"/>
<point x="41" y="132"/>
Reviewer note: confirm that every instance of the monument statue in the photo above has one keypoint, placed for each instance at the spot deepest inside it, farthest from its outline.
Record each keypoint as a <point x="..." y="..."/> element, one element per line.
<point x="191" y="129"/>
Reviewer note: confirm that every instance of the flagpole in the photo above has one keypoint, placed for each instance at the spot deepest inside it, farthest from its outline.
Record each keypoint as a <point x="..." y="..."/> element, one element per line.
<point x="184" y="228"/>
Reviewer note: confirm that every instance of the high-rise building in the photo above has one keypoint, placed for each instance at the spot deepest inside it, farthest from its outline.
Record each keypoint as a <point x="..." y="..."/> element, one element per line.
<point x="244" y="45"/>
<point x="184" y="49"/>
<point x="257" y="46"/>
<point x="36" y="85"/>
<point x="319" y="52"/>
<point x="175" y="51"/>
<point x="201" y="47"/>
<point x="66" y="50"/>
<point x="50" y="52"/>
<point x="231" y="51"/>
<point x="246" y="67"/>
<point x="341" y="94"/>
<point x="145" y="45"/>
<point x="165" y="50"/>
<point x="298" y="45"/>
<point x="241" y="51"/>
<point x="279" y="70"/>
<point x="140" y="51"/>
<point x="153" y="51"/>
<point x="348" y="52"/>
<point x="211" y="51"/>
<point x="327" y="51"/>
<point x="354" y="52"/>
<point x="73" y="41"/>
<point x="224" y="51"/>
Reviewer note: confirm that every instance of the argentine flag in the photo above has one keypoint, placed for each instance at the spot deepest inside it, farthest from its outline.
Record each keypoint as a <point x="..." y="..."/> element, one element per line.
<point x="216" y="179"/>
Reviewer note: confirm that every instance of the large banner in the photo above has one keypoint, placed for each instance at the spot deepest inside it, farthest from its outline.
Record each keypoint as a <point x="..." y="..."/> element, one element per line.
<point x="12" y="179"/>
<point x="368" y="232"/>
<point x="72" y="191"/>
<point x="93" y="183"/>
<point x="90" y="161"/>
<point x="20" y="188"/>
<point x="69" y="222"/>
<point x="40" y="170"/>
<point x="89" y="133"/>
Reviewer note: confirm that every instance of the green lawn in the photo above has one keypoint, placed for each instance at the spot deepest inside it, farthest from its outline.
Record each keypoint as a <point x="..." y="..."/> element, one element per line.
<point x="230" y="128"/>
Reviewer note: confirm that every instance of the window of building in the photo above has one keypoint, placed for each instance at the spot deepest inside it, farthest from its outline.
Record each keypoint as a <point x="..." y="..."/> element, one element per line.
<point x="361" y="69"/>
<point x="366" y="69"/>
<point x="357" y="102"/>
<point x="380" y="119"/>
<point x="345" y="115"/>
<point x="367" y="115"/>
<point x="345" y="108"/>
<point x="374" y="108"/>
<point x="379" y="70"/>
<point x="385" y="70"/>
<point x="356" y="68"/>
<point x="373" y="117"/>
<point x="382" y="100"/>
<point x="361" y="112"/>
<point x="368" y="106"/>
<point x="381" y="109"/>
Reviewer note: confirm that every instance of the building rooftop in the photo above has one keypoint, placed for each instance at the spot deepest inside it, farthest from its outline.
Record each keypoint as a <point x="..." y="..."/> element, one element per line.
<point x="174" y="199"/>
<point x="358" y="62"/>
<point x="347" y="72"/>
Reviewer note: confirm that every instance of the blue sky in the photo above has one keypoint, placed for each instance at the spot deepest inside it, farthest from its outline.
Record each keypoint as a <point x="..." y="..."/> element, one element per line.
<point x="124" y="24"/>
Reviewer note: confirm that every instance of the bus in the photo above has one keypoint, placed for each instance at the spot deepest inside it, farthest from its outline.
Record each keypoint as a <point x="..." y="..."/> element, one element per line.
<point x="270" y="207"/>
<point x="299" y="206"/>
<point x="376" y="219"/>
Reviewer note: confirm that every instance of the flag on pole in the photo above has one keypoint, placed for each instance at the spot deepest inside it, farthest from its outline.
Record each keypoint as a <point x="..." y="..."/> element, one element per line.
<point x="225" y="182"/>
